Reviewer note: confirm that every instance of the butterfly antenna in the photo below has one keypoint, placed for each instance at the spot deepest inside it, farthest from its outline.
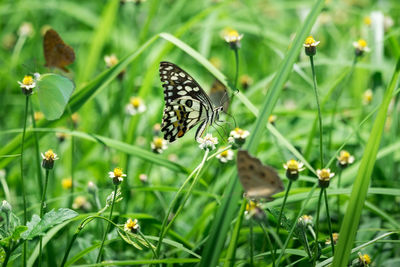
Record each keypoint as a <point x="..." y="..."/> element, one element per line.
<point x="223" y="138"/>
<point x="234" y="120"/>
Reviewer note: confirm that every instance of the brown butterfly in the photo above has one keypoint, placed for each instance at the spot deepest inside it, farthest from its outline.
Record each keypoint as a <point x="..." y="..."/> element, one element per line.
<point x="57" y="53"/>
<point x="258" y="180"/>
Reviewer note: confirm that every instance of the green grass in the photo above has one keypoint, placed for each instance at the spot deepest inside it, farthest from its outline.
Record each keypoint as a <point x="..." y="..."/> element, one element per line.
<point x="191" y="200"/>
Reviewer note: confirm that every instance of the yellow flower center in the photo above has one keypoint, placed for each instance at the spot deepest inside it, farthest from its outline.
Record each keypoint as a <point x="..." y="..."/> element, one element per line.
<point x="224" y="154"/>
<point x="309" y="41"/>
<point x="232" y="33"/>
<point x="344" y="156"/>
<point x="368" y="96"/>
<point x="158" y="142"/>
<point x="28" y="80"/>
<point x="49" y="155"/>
<point x="79" y="201"/>
<point x="135" y="102"/>
<point x="118" y="172"/>
<point x="293" y="164"/>
<point x="66" y="183"/>
<point x="38" y="115"/>
<point x="362" y="43"/>
<point x="325" y="174"/>
<point x="239" y="131"/>
<point x="131" y="224"/>
<point x="250" y="206"/>
<point x="365" y="259"/>
<point x="271" y="118"/>
<point x="367" y="21"/>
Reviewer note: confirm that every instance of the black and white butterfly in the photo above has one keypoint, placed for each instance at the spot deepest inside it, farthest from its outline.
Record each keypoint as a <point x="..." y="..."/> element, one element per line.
<point x="186" y="104"/>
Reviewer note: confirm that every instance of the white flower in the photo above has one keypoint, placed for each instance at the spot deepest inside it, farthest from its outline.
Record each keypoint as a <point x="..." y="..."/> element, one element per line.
<point x="110" y="60"/>
<point x="325" y="174"/>
<point x="117" y="175"/>
<point x="225" y="156"/>
<point x="27" y="83"/>
<point x="131" y="225"/>
<point x="135" y="106"/>
<point x="208" y="142"/>
<point x="238" y="133"/>
<point x="159" y="145"/>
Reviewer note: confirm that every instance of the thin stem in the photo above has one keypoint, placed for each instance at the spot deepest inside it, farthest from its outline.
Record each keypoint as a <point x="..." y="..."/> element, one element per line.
<point x="251" y="243"/>
<point x="237" y="67"/>
<point x="269" y="243"/>
<point x="42" y="204"/>
<point x="108" y="225"/>
<point x="72" y="171"/>
<point x="319" y="112"/>
<point x="148" y="243"/>
<point x="338" y="196"/>
<point x="164" y="226"/>
<point x="283" y="206"/>
<point x="37" y="152"/>
<point x="7" y="257"/>
<point x="329" y="221"/>
<point x="317" y="227"/>
<point x="22" y="175"/>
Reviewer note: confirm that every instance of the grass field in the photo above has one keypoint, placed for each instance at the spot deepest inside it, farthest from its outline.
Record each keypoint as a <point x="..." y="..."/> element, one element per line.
<point x="88" y="179"/>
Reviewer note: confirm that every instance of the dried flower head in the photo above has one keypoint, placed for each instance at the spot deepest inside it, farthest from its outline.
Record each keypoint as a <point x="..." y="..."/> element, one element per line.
<point x="48" y="159"/>
<point x="135" y="106"/>
<point x="293" y="168"/>
<point x="324" y="176"/>
<point x="117" y="176"/>
<point x="80" y="202"/>
<point x="208" y="142"/>
<point x="232" y="37"/>
<point x="245" y="81"/>
<point x="66" y="183"/>
<point x="158" y="145"/>
<point x="225" y="156"/>
<point x="344" y="159"/>
<point x="272" y="119"/>
<point x="310" y="46"/>
<point x="131" y="226"/>
<point x="360" y="46"/>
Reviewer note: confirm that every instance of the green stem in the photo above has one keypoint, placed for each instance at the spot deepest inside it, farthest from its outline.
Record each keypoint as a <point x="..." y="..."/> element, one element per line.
<point x="271" y="248"/>
<point x="22" y="175"/>
<point x="251" y="244"/>
<point x="7" y="257"/>
<point x="72" y="172"/>
<point x="148" y="243"/>
<point x="37" y="152"/>
<point x="329" y="221"/>
<point x="317" y="227"/>
<point x="319" y="112"/>
<point x="42" y="204"/>
<point x="237" y="67"/>
<point x="108" y="225"/>
<point x="283" y="206"/>
<point x="164" y="226"/>
<point x="338" y="196"/>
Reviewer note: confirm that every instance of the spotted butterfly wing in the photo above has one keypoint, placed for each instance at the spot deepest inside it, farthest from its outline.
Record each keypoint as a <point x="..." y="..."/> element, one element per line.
<point x="186" y="103"/>
<point x="56" y="52"/>
<point x="258" y="180"/>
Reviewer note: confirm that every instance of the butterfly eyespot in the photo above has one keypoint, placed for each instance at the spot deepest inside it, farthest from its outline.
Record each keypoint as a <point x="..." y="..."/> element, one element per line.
<point x="189" y="103"/>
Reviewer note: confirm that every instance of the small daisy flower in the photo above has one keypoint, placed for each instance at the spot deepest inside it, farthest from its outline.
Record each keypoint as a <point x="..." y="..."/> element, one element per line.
<point x="335" y="237"/>
<point x="225" y="156"/>
<point x="38" y="115"/>
<point x="306" y="219"/>
<point x="66" y="183"/>
<point x="310" y="46"/>
<point x="80" y="202"/>
<point x="158" y="145"/>
<point x="208" y="142"/>
<point x="367" y="97"/>
<point x="111" y="60"/>
<point x="143" y="178"/>
<point x="48" y="159"/>
<point x="135" y="106"/>
<point x="272" y="119"/>
<point x="253" y="210"/>
<point x="131" y="226"/>
<point x="324" y="176"/>
<point x="26" y="29"/>
<point x="246" y="81"/>
<point x="293" y="168"/>
<point x="367" y="20"/>
<point x="361" y="46"/>
<point x="344" y="159"/>
<point x="237" y="137"/>
<point x="233" y="38"/>
<point x="364" y="259"/>
<point x="117" y="176"/>
<point x="27" y="85"/>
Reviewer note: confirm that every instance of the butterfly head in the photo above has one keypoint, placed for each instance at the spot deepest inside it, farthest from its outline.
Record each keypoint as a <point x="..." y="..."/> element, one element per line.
<point x="217" y="111"/>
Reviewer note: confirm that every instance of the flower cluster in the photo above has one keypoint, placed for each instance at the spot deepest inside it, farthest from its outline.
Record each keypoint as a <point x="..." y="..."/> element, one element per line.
<point x="237" y="137"/>
<point x="208" y="142"/>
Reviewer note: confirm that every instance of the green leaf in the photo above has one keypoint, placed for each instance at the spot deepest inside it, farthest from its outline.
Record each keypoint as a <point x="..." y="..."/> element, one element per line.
<point x="351" y="219"/>
<point x="54" y="92"/>
<point x="38" y="227"/>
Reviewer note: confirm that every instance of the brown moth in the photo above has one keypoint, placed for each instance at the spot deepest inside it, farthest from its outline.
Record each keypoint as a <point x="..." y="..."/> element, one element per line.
<point x="258" y="180"/>
<point x="56" y="52"/>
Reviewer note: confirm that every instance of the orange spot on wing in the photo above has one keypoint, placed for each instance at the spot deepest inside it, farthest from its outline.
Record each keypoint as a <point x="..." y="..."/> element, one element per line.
<point x="180" y="133"/>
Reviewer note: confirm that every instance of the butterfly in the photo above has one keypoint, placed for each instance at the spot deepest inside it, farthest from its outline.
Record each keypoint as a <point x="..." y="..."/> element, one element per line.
<point x="56" y="52"/>
<point x="258" y="180"/>
<point x="219" y="94"/>
<point x="186" y="104"/>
